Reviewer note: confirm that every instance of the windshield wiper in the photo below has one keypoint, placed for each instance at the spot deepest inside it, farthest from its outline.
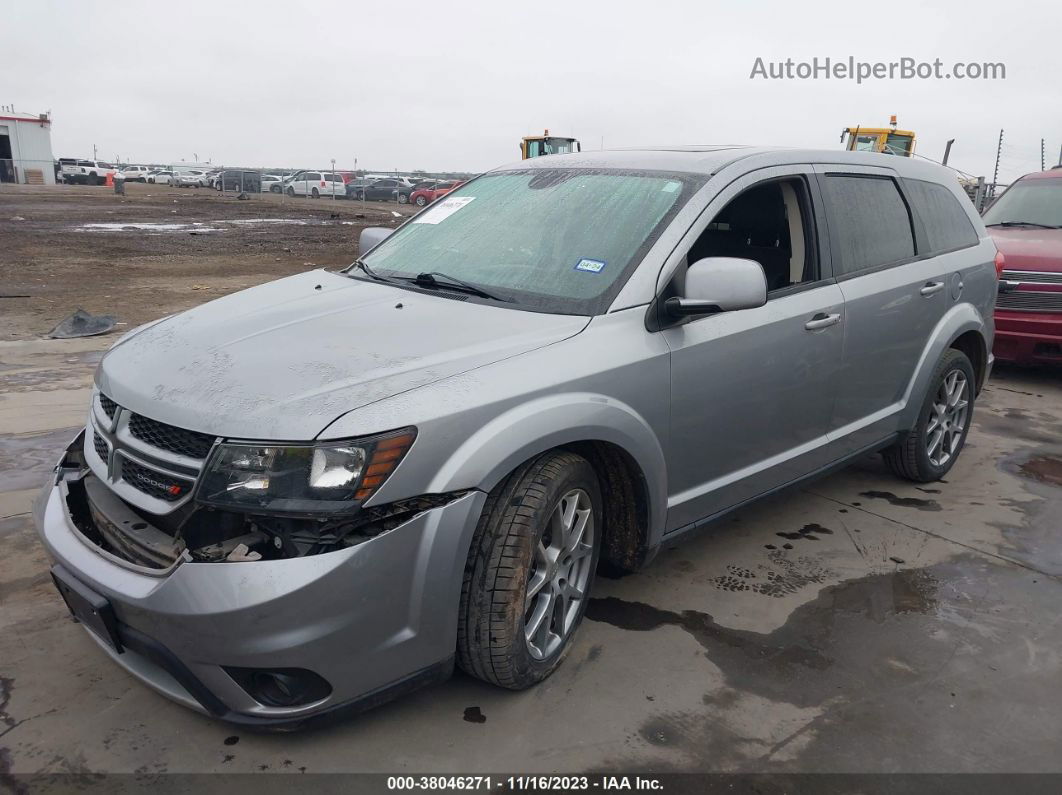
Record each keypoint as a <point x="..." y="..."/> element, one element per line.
<point x="360" y="263"/>
<point x="440" y="280"/>
<point x="1025" y="223"/>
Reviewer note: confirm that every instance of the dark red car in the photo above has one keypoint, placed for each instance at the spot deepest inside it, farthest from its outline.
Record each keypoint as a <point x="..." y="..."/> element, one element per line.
<point x="423" y="196"/>
<point x="1026" y="225"/>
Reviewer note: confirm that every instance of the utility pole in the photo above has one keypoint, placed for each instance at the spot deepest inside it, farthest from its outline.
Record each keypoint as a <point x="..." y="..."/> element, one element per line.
<point x="947" y="151"/>
<point x="1060" y="155"/>
<point x="995" y="174"/>
<point x="94" y="153"/>
<point x="1043" y="162"/>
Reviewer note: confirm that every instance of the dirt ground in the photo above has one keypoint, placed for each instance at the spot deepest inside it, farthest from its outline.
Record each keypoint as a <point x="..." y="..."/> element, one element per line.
<point x="158" y="250"/>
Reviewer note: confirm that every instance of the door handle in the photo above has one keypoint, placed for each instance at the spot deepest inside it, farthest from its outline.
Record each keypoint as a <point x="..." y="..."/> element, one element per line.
<point x="932" y="287"/>
<point x="822" y="320"/>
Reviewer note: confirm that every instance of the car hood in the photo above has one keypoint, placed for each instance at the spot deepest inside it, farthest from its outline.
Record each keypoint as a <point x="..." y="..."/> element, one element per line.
<point x="285" y="359"/>
<point x="1027" y="248"/>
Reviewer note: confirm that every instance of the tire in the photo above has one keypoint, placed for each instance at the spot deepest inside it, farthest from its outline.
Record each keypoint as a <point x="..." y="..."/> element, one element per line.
<point x="274" y="189"/>
<point x="511" y="547"/>
<point x="291" y="191"/>
<point x="420" y="201"/>
<point x="911" y="458"/>
<point x="403" y="198"/>
<point x="315" y="193"/>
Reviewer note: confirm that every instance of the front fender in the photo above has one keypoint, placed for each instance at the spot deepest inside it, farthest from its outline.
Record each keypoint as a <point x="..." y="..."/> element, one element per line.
<point x="956" y="322"/>
<point x="524" y="431"/>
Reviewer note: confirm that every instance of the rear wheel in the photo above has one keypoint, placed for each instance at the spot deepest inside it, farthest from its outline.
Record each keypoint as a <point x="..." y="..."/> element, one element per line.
<point x="291" y="191"/>
<point x="528" y="576"/>
<point x="403" y="198"/>
<point x="931" y="448"/>
<point x="315" y="193"/>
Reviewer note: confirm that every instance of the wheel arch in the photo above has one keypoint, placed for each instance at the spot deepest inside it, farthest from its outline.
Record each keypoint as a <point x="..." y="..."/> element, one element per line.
<point x="963" y="328"/>
<point x="618" y="442"/>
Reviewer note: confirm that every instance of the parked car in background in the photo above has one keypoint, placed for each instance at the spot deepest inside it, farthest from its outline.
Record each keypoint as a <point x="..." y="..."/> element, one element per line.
<point x="191" y="178"/>
<point x="1026" y="224"/>
<point x="295" y="499"/>
<point x="135" y="173"/>
<point x="271" y="183"/>
<point x="242" y="181"/>
<point x="161" y="177"/>
<point x="423" y="196"/>
<point x="87" y="172"/>
<point x="387" y="190"/>
<point x="316" y="184"/>
<point x="354" y="186"/>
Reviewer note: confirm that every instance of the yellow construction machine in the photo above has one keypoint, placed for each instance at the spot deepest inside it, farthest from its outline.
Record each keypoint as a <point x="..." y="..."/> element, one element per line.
<point x="887" y="140"/>
<point x="546" y="144"/>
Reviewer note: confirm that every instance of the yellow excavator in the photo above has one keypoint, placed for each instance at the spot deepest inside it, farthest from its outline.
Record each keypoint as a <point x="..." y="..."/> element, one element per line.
<point x="887" y="140"/>
<point x="546" y="144"/>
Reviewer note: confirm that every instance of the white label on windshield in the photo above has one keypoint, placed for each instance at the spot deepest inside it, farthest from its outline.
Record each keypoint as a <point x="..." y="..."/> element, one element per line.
<point x="671" y="187"/>
<point x="443" y="210"/>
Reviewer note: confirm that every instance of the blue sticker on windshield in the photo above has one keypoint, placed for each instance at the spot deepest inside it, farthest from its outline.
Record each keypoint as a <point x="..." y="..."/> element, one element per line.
<point x="590" y="265"/>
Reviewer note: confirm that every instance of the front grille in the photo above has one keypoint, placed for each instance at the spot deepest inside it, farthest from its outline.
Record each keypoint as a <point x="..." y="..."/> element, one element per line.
<point x="1030" y="301"/>
<point x="1035" y="277"/>
<point x="152" y="482"/>
<point x="98" y="442"/>
<point x="109" y="406"/>
<point x="167" y="437"/>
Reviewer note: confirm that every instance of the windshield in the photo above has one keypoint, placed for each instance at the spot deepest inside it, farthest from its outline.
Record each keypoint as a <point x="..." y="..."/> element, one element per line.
<point x="549" y="240"/>
<point x="1036" y="201"/>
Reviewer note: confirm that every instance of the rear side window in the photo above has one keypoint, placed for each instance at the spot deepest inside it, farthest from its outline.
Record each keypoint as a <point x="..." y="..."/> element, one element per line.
<point x="947" y="225"/>
<point x="869" y="222"/>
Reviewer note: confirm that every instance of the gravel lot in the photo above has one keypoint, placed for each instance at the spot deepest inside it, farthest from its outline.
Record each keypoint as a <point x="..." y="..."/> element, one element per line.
<point x="159" y="250"/>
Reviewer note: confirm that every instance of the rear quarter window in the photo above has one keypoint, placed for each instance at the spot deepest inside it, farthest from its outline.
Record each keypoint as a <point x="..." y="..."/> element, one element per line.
<point x="869" y="223"/>
<point x="944" y="218"/>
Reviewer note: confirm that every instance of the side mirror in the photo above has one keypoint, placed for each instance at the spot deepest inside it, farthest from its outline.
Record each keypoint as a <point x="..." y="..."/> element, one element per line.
<point x="720" y="284"/>
<point x="372" y="237"/>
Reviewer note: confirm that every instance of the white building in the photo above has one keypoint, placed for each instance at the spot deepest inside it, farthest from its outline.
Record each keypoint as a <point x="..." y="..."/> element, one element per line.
<point x="26" y="148"/>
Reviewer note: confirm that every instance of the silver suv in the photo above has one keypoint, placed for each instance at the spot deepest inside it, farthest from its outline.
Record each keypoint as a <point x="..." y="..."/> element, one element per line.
<point x="318" y="493"/>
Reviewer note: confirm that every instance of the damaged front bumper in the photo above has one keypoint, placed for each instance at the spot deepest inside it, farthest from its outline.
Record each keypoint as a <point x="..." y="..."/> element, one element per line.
<point x="348" y="629"/>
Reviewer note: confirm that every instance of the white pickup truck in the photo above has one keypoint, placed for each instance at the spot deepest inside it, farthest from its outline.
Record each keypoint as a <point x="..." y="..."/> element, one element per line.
<point x="86" y="172"/>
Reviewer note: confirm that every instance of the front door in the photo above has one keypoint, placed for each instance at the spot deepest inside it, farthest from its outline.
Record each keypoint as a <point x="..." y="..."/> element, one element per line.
<point x="752" y="390"/>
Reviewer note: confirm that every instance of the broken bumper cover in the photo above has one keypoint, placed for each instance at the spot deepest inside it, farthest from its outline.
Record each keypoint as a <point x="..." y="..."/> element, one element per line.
<point x="373" y="620"/>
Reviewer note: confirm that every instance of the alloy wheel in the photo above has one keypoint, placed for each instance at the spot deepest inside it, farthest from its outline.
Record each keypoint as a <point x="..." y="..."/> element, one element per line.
<point x="560" y="574"/>
<point x="947" y="418"/>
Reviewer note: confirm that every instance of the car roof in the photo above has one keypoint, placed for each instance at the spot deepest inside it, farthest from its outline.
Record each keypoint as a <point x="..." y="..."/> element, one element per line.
<point x="712" y="159"/>
<point x="1055" y="172"/>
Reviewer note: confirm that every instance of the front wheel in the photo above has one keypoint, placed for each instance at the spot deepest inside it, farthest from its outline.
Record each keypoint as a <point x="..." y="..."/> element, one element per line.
<point x="403" y="198"/>
<point x="315" y="193"/>
<point x="529" y="571"/>
<point x="291" y="191"/>
<point x="931" y="448"/>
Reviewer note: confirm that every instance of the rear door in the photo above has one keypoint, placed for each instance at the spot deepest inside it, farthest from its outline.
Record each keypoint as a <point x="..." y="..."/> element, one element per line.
<point x="893" y="298"/>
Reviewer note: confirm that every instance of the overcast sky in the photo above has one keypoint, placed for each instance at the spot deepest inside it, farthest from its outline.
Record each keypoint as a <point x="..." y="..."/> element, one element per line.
<point x="445" y="85"/>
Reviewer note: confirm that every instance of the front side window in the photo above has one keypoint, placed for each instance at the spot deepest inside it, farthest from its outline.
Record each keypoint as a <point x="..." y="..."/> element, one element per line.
<point x="771" y="224"/>
<point x="550" y="240"/>
<point x="1037" y="202"/>
<point x="869" y="222"/>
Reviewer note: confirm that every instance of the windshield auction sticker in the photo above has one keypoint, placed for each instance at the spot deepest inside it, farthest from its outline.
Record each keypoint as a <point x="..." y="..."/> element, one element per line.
<point x="443" y="210"/>
<point x="590" y="265"/>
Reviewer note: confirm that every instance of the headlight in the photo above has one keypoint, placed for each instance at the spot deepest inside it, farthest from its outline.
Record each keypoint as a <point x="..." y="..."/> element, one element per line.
<point x="324" y="478"/>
